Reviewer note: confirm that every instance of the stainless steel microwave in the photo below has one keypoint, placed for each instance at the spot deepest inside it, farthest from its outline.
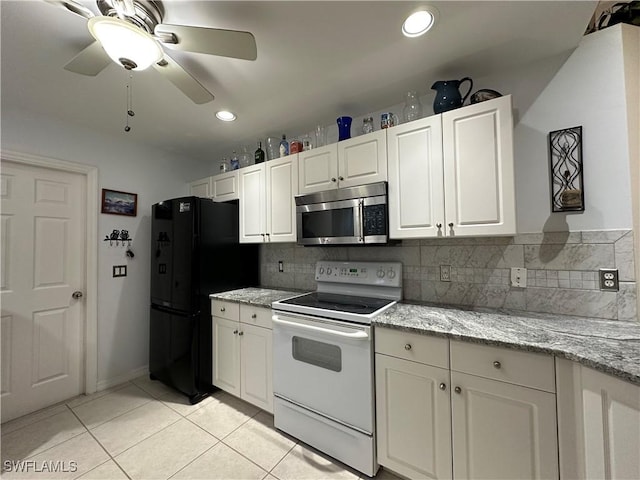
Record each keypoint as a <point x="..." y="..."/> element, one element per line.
<point x="345" y="216"/>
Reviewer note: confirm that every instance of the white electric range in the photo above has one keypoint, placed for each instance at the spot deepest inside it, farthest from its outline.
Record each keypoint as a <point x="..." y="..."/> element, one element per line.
<point x="323" y="359"/>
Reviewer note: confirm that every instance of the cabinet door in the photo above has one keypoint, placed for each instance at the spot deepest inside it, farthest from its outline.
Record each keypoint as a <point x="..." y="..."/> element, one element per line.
<point x="282" y="185"/>
<point x="224" y="187"/>
<point x="252" y="204"/>
<point x="256" y="379"/>
<point x="363" y="159"/>
<point x="226" y="355"/>
<point x="416" y="193"/>
<point x="502" y="430"/>
<point x="318" y="169"/>
<point x="200" y="188"/>
<point x="413" y="418"/>
<point x="478" y="169"/>
<point x="598" y="423"/>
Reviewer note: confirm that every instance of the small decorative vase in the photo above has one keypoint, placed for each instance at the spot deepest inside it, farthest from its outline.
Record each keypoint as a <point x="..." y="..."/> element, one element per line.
<point x="412" y="107"/>
<point x="344" y="128"/>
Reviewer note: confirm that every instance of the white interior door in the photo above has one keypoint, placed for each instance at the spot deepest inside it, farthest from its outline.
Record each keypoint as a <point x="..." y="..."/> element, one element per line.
<point x="43" y="264"/>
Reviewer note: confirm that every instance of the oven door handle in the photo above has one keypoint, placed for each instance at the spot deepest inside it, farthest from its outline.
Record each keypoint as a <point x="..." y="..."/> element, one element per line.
<point x="358" y="335"/>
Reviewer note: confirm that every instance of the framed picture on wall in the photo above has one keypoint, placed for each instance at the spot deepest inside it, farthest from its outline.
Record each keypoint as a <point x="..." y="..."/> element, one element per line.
<point x="119" y="203"/>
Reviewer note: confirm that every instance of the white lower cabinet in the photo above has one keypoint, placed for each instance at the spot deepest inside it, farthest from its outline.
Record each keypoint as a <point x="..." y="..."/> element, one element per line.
<point x="492" y="420"/>
<point x="242" y="353"/>
<point x="413" y="418"/>
<point x="598" y="424"/>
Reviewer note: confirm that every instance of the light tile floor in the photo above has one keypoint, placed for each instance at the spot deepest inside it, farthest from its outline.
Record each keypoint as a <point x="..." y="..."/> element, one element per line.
<point x="144" y="430"/>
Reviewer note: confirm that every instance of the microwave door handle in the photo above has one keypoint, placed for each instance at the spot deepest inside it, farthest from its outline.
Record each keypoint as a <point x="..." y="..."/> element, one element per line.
<point x="359" y="334"/>
<point x="360" y="221"/>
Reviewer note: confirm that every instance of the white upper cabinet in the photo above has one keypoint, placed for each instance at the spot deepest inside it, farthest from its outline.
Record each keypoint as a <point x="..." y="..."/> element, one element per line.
<point x="453" y="174"/>
<point x="200" y="188"/>
<point x="224" y="187"/>
<point x="318" y="169"/>
<point x="416" y="191"/>
<point x="478" y="169"/>
<point x="348" y="163"/>
<point x="267" y="205"/>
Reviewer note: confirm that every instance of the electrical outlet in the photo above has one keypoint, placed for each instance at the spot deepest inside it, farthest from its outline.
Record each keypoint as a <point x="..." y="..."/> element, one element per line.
<point x="609" y="279"/>
<point x="518" y="277"/>
<point x="280" y="266"/>
<point x="445" y="273"/>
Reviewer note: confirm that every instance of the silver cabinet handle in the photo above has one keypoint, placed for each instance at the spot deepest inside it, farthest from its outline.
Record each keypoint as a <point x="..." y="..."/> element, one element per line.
<point x="77" y="294"/>
<point x="407" y="346"/>
<point x="222" y="309"/>
<point x="451" y="225"/>
<point x="253" y="315"/>
<point x="457" y="390"/>
<point x="333" y="179"/>
<point x="439" y="225"/>
<point x="443" y="386"/>
<point x="497" y="364"/>
<point x="341" y="178"/>
<point x="240" y="333"/>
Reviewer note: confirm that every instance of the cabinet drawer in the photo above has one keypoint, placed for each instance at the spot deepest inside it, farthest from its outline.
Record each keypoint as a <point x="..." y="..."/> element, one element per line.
<point x="412" y="346"/>
<point x="535" y="370"/>
<point x="228" y="310"/>
<point x="259" y="316"/>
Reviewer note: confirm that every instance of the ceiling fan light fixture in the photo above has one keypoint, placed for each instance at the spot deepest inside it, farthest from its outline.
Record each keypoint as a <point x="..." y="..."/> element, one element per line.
<point x="419" y="22"/>
<point x="225" y="116"/>
<point x="126" y="44"/>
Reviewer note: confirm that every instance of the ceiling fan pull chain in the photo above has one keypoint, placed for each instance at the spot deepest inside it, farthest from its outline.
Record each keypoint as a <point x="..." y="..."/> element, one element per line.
<point x="130" y="112"/>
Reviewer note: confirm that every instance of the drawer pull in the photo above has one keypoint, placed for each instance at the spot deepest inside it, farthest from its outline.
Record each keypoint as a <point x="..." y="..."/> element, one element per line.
<point x="458" y="390"/>
<point x="443" y="386"/>
<point x="407" y="346"/>
<point x="253" y="315"/>
<point x="240" y="333"/>
<point x="222" y="309"/>
<point x="497" y="364"/>
<point x="235" y="332"/>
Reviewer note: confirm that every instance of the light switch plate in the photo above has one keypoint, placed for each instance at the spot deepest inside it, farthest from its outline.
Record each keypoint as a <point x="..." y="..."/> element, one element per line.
<point x="119" y="271"/>
<point x="518" y="277"/>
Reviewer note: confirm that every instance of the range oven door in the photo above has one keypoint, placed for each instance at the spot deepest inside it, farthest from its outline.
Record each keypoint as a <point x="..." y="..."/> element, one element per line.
<point x="325" y="366"/>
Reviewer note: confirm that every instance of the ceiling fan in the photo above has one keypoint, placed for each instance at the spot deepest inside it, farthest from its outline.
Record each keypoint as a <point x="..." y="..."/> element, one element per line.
<point x="131" y="33"/>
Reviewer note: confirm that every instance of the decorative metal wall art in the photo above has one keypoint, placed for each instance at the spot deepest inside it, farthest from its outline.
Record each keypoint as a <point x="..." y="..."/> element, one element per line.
<point x="565" y="153"/>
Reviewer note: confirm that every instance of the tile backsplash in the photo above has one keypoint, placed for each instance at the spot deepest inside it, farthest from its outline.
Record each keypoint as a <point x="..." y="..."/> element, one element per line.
<point x="562" y="270"/>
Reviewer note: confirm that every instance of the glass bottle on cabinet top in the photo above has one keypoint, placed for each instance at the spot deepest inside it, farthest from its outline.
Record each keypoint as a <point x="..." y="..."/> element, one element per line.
<point x="412" y="107"/>
<point x="284" y="146"/>
<point x="259" y="155"/>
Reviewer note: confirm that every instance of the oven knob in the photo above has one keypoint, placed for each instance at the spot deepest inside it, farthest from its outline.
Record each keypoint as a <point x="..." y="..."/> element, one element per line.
<point x="328" y="271"/>
<point x="380" y="273"/>
<point x="391" y="273"/>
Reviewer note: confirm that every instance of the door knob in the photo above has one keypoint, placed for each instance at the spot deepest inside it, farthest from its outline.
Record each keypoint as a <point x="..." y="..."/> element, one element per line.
<point x="77" y="294"/>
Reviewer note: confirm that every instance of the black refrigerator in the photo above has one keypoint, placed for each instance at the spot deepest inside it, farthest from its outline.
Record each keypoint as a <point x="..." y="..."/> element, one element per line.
<point x="194" y="252"/>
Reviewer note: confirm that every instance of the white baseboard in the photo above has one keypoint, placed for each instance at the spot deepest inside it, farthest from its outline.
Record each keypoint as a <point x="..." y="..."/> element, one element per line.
<point x="125" y="377"/>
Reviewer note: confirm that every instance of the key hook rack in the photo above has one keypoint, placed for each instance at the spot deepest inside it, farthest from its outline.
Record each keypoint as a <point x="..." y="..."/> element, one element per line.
<point x="119" y="238"/>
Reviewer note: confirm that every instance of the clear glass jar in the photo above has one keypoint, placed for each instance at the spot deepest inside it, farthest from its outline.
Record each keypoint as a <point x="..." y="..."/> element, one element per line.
<point x="412" y="108"/>
<point x="367" y="125"/>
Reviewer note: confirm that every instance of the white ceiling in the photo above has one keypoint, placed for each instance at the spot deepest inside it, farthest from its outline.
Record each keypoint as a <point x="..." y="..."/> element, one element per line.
<point x="316" y="61"/>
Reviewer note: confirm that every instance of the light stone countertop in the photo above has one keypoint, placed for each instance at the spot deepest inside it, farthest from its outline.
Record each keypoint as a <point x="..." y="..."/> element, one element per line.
<point x="262" y="297"/>
<point x="609" y="346"/>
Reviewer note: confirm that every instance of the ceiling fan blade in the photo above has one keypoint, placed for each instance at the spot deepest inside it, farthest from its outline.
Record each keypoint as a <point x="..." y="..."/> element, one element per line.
<point x="73" y="7"/>
<point x="212" y="41"/>
<point x="90" y="61"/>
<point x="183" y="80"/>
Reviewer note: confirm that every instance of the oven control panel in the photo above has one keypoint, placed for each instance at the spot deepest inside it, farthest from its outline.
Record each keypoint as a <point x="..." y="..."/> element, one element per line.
<point x="364" y="273"/>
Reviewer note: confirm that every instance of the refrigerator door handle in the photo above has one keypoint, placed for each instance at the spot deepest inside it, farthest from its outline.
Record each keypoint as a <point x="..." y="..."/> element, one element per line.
<point x="174" y="311"/>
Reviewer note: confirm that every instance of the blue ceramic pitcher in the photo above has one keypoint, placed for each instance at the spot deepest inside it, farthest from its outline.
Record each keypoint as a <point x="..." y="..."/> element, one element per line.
<point x="344" y="128"/>
<point x="448" y="95"/>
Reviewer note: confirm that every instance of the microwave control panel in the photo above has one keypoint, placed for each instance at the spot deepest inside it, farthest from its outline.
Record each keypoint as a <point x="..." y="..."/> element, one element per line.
<point x="365" y="273"/>
<point x="375" y="220"/>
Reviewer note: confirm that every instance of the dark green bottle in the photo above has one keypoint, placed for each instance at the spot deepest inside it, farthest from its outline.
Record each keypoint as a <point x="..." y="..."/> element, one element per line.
<point x="259" y="156"/>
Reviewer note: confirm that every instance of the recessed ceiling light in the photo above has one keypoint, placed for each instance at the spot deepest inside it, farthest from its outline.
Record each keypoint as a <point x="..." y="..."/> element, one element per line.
<point x="419" y="23"/>
<point x="225" y="116"/>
